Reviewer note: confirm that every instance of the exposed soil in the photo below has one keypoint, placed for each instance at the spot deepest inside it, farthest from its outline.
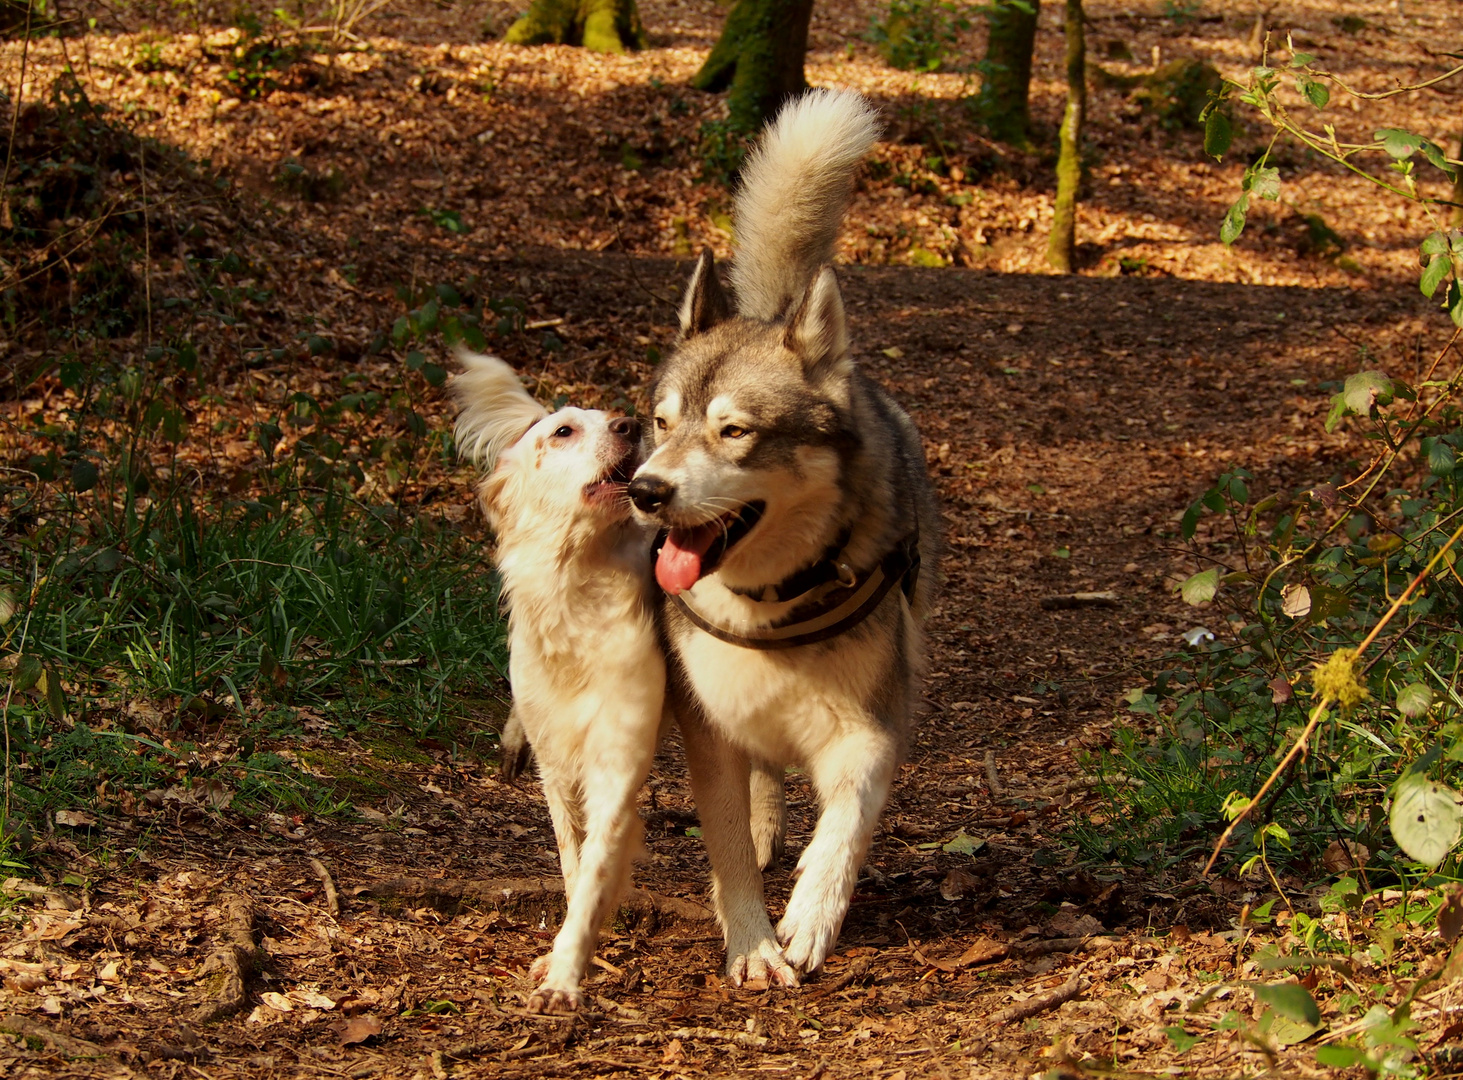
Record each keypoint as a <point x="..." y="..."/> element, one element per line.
<point x="1068" y="422"/>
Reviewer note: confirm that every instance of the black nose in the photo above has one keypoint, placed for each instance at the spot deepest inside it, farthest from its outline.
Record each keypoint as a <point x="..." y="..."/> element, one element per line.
<point x="627" y="427"/>
<point x="650" y="493"/>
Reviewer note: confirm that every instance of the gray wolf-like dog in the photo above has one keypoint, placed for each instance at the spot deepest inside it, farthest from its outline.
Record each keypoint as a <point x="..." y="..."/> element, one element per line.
<point x="796" y="515"/>
<point x="587" y="668"/>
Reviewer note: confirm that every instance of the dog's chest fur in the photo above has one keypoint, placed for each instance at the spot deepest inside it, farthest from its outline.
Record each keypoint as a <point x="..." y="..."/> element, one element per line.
<point x="784" y="705"/>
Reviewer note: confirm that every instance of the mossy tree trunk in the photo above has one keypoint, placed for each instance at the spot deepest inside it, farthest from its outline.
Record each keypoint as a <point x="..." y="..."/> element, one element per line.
<point x="760" y="56"/>
<point x="1003" y="103"/>
<point x="609" y="26"/>
<point x="1062" y="246"/>
<point x="1457" y="221"/>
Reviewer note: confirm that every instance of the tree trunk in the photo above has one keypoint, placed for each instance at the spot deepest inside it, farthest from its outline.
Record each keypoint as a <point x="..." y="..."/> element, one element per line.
<point x="1063" y="244"/>
<point x="609" y="26"/>
<point x="760" y="56"/>
<point x="1457" y="221"/>
<point x="1003" y="98"/>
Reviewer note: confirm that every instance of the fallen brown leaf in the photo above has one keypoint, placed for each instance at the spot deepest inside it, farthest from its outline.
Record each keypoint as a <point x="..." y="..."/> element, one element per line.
<point x="358" y="1029"/>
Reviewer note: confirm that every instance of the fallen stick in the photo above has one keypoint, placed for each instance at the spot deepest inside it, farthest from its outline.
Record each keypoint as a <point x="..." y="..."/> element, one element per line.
<point x="227" y="970"/>
<point x="990" y="775"/>
<point x="332" y="898"/>
<point x="1067" y="601"/>
<point x="1034" y="1006"/>
<point x="857" y="969"/>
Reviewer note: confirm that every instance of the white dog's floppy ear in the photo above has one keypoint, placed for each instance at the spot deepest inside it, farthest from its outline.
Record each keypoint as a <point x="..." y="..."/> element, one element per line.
<point x="705" y="303"/>
<point x="494" y="410"/>
<point x="818" y="329"/>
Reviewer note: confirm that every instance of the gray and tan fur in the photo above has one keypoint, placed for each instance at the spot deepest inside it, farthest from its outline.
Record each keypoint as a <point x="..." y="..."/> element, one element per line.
<point x="761" y="405"/>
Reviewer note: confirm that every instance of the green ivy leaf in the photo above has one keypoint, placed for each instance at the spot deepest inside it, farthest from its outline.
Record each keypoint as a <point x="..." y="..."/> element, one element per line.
<point x="1218" y="134"/>
<point x="1234" y="220"/>
<point x="83" y="476"/>
<point x="1441" y="460"/>
<point x="1182" y="1041"/>
<point x="1365" y="390"/>
<point x="1399" y="142"/>
<point x="1425" y="818"/>
<point x="1435" y="243"/>
<point x="1191" y="517"/>
<point x="1341" y="1057"/>
<point x="27" y="673"/>
<point x="1317" y="93"/>
<point x="1414" y="699"/>
<point x="1301" y="59"/>
<point x="1435" y="155"/>
<point x="1201" y="587"/>
<point x="1455" y="303"/>
<point x="435" y="375"/>
<point x="1434" y="273"/>
<point x="1264" y="183"/>
<point x="1290" y="1000"/>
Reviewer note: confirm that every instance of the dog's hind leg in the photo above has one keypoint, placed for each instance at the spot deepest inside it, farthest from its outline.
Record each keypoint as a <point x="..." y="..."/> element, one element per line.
<point x="721" y="786"/>
<point x="852" y="778"/>
<point x="612" y="834"/>
<point x="514" y="752"/>
<point x="769" y="813"/>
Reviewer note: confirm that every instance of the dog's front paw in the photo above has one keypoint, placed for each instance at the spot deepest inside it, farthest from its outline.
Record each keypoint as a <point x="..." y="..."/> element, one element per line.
<point x="554" y="1000"/>
<point x="806" y="941"/>
<point x="761" y="961"/>
<point x="539" y="969"/>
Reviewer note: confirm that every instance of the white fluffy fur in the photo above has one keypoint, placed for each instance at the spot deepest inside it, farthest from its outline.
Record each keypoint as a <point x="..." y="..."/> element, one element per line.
<point x="795" y="189"/>
<point x="494" y="410"/>
<point x="587" y="671"/>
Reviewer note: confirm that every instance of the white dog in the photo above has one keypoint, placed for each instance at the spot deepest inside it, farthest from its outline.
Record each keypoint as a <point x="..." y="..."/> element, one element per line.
<point x="587" y="671"/>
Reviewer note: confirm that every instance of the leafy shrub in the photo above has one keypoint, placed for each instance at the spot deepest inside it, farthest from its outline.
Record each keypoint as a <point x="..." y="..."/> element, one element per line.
<point x="1325" y="679"/>
<point x="917" y="35"/>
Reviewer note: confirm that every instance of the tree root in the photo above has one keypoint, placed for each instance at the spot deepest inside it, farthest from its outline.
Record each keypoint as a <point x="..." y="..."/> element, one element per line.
<point x="226" y="972"/>
<point x="535" y="897"/>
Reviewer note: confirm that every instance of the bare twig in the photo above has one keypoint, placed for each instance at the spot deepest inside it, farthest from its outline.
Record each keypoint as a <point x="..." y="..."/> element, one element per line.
<point x="1043" y="1003"/>
<point x="990" y="775"/>
<point x="332" y="898"/>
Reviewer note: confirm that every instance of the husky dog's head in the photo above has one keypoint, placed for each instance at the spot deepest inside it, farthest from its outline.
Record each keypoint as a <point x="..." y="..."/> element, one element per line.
<point x="558" y="472"/>
<point x="752" y="438"/>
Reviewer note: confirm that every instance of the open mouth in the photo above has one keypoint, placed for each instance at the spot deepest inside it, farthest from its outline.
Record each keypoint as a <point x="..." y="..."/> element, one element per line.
<point x="686" y="555"/>
<point x="612" y="484"/>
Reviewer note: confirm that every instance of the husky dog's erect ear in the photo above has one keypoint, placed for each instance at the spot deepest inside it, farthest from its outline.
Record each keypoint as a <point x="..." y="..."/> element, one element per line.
<point x="705" y="303"/>
<point x="494" y="410"/>
<point x="818" y="330"/>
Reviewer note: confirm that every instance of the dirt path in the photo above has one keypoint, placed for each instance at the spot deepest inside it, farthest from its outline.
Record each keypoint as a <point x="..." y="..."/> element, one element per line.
<point x="1069" y="422"/>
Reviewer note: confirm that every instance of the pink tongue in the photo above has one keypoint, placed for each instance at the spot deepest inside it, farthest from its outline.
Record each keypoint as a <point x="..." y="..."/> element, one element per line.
<point x="679" y="564"/>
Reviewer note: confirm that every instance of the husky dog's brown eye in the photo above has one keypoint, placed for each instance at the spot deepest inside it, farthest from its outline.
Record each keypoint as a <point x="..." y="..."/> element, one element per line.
<point x="564" y="432"/>
<point x="660" y="424"/>
<point x="732" y="431"/>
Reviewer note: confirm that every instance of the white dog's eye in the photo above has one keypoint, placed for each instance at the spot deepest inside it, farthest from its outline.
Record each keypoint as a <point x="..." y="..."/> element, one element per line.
<point x="732" y="431"/>
<point x="564" y="432"/>
<point x="660" y="424"/>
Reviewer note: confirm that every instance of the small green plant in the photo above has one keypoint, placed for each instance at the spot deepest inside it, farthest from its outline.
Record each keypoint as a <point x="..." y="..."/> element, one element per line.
<point x="918" y="35"/>
<point x="258" y="59"/>
<point x="722" y="149"/>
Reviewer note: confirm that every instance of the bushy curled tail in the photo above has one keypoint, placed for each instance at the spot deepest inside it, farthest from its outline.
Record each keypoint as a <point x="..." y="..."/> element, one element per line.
<point x="795" y="190"/>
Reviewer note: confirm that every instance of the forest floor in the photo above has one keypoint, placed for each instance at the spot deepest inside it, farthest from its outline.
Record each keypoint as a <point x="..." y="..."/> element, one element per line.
<point x="1068" y="421"/>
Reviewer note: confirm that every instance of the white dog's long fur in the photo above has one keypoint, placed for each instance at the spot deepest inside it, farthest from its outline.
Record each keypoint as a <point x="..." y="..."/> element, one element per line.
<point x="587" y="671"/>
